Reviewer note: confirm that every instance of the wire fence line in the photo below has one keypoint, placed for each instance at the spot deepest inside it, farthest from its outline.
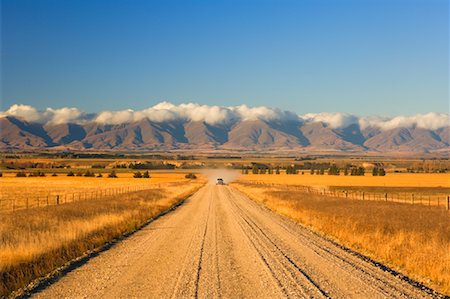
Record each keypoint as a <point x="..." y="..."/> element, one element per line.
<point x="416" y="198"/>
<point x="40" y="201"/>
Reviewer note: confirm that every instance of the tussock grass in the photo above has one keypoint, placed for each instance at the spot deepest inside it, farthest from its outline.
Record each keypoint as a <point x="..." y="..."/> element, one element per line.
<point x="34" y="242"/>
<point x="413" y="239"/>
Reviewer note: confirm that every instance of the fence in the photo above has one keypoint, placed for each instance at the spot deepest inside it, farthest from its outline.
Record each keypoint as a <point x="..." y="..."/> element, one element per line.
<point x="38" y="201"/>
<point x="438" y="200"/>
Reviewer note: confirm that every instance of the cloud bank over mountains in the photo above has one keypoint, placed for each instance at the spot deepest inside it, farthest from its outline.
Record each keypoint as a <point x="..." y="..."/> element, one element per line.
<point x="220" y="115"/>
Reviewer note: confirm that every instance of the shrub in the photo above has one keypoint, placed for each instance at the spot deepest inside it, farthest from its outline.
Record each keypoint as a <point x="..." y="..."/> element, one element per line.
<point x="137" y="175"/>
<point x="89" y="174"/>
<point x="1" y="174"/>
<point x="190" y="176"/>
<point x="79" y="173"/>
<point x="21" y="174"/>
<point x="54" y="174"/>
<point x="70" y="173"/>
<point x="97" y="166"/>
<point x="99" y="175"/>
<point x="37" y="173"/>
<point x="146" y="175"/>
<point x="112" y="174"/>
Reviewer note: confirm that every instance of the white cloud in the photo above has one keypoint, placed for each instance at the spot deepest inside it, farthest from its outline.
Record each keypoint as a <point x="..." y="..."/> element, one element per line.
<point x="430" y="121"/>
<point x="62" y="115"/>
<point x="166" y="111"/>
<point x="334" y="120"/>
<point x="25" y="112"/>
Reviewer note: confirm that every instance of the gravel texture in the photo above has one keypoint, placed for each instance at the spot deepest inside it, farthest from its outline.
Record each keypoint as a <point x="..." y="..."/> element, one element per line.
<point x="222" y="244"/>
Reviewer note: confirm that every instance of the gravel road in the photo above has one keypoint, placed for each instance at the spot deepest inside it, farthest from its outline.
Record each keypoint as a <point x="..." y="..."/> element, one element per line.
<point x="219" y="243"/>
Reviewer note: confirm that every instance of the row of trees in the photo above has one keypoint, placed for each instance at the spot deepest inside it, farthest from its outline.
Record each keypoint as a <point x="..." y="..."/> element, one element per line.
<point x="88" y="173"/>
<point x="139" y="175"/>
<point x="332" y="170"/>
<point x="378" y="171"/>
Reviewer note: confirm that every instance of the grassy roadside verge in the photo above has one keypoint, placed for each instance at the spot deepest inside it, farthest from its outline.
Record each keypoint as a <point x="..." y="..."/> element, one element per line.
<point x="414" y="240"/>
<point x="34" y="242"/>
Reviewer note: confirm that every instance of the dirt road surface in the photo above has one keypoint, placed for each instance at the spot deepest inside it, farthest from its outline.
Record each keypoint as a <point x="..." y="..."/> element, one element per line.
<point x="222" y="244"/>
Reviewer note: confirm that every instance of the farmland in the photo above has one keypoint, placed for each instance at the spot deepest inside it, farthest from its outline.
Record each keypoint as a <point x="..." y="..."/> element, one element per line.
<point x="417" y="188"/>
<point x="35" y="241"/>
<point x="22" y="192"/>
<point x="441" y="180"/>
<point x="372" y="215"/>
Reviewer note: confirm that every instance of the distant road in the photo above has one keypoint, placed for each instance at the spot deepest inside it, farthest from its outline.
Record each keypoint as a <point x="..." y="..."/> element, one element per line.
<point x="222" y="244"/>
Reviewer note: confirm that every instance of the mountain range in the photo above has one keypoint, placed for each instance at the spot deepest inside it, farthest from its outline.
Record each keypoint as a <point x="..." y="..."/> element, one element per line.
<point x="240" y="135"/>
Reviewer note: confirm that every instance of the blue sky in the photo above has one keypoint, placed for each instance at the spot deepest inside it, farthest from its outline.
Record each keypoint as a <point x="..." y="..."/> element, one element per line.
<point x="384" y="57"/>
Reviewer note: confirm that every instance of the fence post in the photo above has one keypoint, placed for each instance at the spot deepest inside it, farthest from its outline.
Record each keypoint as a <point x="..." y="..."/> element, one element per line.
<point x="412" y="198"/>
<point x="57" y="199"/>
<point x="363" y="195"/>
<point x="385" y="196"/>
<point x="37" y="201"/>
<point x="448" y="203"/>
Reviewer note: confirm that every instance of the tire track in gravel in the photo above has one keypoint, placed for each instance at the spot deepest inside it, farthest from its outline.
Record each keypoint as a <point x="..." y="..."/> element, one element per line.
<point x="290" y="276"/>
<point x="222" y="244"/>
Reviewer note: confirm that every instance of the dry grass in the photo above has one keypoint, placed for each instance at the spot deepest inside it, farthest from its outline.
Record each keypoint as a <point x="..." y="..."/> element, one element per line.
<point x="413" y="239"/>
<point x="419" y="188"/>
<point x="390" y="180"/>
<point x="39" y="190"/>
<point x="33" y="242"/>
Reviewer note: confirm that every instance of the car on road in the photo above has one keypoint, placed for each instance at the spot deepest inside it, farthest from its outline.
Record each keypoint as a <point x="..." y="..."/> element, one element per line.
<point x="220" y="181"/>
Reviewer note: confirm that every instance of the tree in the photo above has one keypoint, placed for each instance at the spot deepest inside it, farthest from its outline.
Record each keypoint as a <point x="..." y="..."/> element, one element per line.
<point x="112" y="174"/>
<point x="70" y="173"/>
<point x="375" y="171"/>
<point x="334" y="170"/>
<point x="381" y="172"/>
<point x="361" y="171"/>
<point x="89" y="174"/>
<point x="322" y="171"/>
<point x="277" y="170"/>
<point x="291" y="170"/>
<point x="146" y="175"/>
<point x="21" y="174"/>
<point x="345" y="171"/>
<point x="255" y="169"/>
<point x="270" y="170"/>
<point x="312" y="171"/>
<point x="137" y="175"/>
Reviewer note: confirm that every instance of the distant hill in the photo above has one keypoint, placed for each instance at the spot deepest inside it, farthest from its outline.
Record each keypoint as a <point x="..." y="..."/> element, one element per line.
<point x="242" y="135"/>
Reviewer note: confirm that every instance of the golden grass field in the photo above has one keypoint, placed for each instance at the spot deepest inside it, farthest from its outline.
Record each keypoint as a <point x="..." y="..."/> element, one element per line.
<point x="35" y="241"/>
<point x="417" y="188"/>
<point x="15" y="191"/>
<point x="410" y="238"/>
<point x="390" y="180"/>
